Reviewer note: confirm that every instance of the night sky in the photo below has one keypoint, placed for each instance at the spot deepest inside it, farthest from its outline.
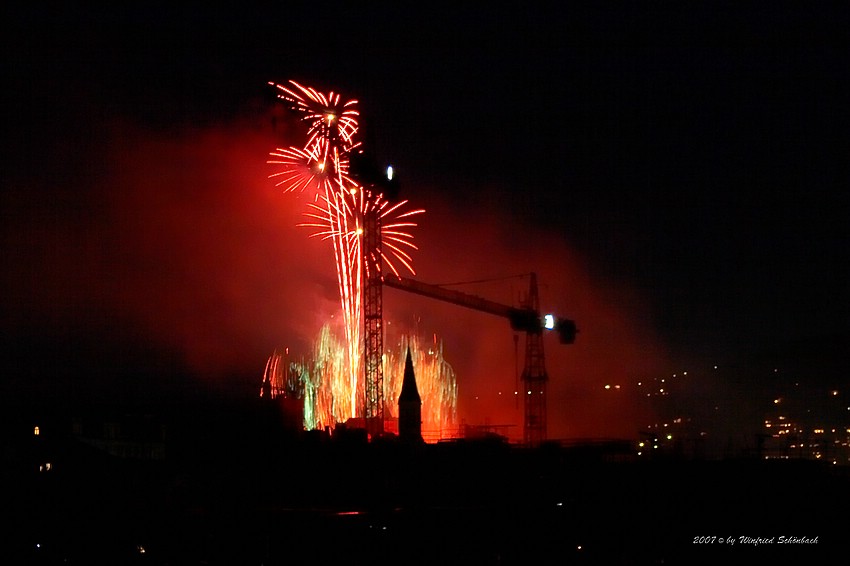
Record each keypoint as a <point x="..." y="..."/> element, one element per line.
<point x="676" y="173"/>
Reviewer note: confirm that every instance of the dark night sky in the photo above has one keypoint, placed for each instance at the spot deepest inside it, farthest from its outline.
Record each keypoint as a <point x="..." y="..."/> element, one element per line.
<point x="684" y="164"/>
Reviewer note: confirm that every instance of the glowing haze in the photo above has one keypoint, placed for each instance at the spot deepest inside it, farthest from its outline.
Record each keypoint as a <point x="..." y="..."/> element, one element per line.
<point x="177" y="240"/>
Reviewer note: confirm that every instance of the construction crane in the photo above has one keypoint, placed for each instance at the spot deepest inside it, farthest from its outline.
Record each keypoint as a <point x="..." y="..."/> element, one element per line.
<point x="525" y="318"/>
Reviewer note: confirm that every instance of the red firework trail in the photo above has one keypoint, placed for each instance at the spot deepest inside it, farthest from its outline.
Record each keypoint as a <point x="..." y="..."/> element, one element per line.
<point x="332" y="125"/>
<point x="340" y="204"/>
<point x="355" y="205"/>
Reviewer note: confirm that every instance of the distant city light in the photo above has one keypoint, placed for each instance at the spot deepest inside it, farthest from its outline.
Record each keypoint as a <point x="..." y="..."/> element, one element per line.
<point x="784" y="429"/>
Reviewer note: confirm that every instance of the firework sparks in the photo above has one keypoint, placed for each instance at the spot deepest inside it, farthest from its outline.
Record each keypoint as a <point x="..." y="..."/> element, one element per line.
<point x="352" y="207"/>
<point x="332" y="123"/>
<point x="340" y="204"/>
<point x="321" y="166"/>
<point x="321" y="382"/>
<point x="300" y="171"/>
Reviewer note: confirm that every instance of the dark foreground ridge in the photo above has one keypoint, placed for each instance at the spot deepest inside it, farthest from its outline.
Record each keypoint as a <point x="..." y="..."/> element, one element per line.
<point x="229" y="484"/>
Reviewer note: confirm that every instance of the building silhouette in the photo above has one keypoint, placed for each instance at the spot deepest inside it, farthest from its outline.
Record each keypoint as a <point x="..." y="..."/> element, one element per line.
<point x="409" y="406"/>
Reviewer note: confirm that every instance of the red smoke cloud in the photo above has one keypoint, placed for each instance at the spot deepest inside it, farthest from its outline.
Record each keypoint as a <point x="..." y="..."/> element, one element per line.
<point x="181" y="236"/>
<point x="211" y="258"/>
<point x="174" y="238"/>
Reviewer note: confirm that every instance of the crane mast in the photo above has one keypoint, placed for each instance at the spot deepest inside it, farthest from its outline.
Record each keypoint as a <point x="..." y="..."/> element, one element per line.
<point x="534" y="376"/>
<point x="373" y="335"/>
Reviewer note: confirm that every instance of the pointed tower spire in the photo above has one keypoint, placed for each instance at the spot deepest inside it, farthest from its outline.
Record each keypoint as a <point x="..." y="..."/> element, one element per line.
<point x="409" y="405"/>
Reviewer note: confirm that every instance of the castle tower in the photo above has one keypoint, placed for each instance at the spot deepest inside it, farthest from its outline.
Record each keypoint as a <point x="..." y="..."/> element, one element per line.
<point x="409" y="406"/>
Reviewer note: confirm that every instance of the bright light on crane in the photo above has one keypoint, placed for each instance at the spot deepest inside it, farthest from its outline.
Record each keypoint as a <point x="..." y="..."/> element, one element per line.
<point x="549" y="322"/>
<point x="389" y="173"/>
